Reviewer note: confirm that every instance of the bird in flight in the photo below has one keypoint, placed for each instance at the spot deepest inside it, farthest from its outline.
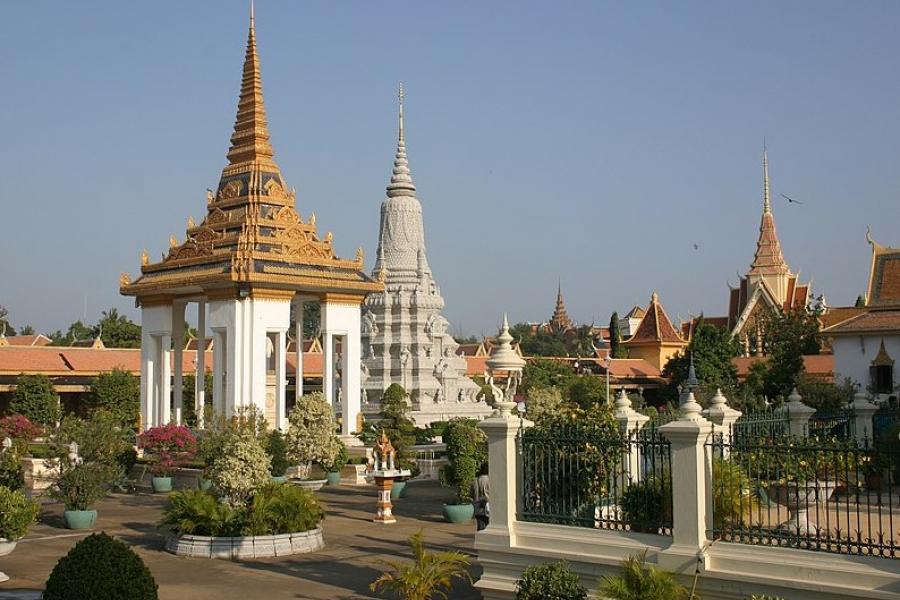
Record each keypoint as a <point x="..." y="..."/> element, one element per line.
<point x="791" y="200"/>
<point x="696" y="246"/>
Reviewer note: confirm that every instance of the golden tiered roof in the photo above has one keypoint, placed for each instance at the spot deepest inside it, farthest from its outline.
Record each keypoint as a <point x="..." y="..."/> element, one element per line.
<point x="252" y="235"/>
<point x="768" y="258"/>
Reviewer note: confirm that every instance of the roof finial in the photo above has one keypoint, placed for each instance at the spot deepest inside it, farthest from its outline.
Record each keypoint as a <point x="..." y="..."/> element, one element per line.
<point x="401" y="178"/>
<point x="767" y="207"/>
<point x="252" y="13"/>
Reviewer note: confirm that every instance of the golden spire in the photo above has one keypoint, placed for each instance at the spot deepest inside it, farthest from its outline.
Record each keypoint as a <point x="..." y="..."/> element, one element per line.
<point x="767" y="206"/>
<point x="250" y="140"/>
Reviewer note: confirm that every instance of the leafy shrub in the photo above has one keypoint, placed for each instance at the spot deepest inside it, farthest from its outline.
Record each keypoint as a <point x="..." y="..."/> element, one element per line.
<point x="543" y="402"/>
<point x="12" y="476"/>
<point x="337" y="460"/>
<point x="273" y="510"/>
<point x="36" y="399"/>
<point x="170" y="446"/>
<point x="430" y="575"/>
<point x="119" y="392"/>
<point x="311" y="434"/>
<point x="281" y="508"/>
<point x="101" y="438"/>
<point x="80" y="486"/>
<point x="101" y="567"/>
<point x="732" y="497"/>
<point x="276" y="449"/>
<point x="241" y="469"/>
<point x="647" y="504"/>
<point x="467" y="452"/>
<point x="638" y="582"/>
<point x="550" y="581"/>
<point x="19" y="429"/>
<point x="17" y="513"/>
<point x="126" y="459"/>
<point x="199" y="512"/>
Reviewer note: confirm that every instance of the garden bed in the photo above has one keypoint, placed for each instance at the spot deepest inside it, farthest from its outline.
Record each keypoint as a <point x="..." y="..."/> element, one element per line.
<point x="260" y="546"/>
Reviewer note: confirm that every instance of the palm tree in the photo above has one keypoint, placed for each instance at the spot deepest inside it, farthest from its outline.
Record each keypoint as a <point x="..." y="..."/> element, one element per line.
<point x="429" y="576"/>
<point x="636" y="582"/>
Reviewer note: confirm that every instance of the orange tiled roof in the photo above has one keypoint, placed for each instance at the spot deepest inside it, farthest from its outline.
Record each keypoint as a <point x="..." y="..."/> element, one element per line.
<point x="871" y="321"/>
<point x="839" y="314"/>
<point x="28" y="340"/>
<point x="655" y="327"/>
<point x="814" y="364"/>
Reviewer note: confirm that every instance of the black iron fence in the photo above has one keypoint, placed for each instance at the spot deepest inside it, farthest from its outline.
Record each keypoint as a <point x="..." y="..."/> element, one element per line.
<point x="600" y="478"/>
<point x="884" y="423"/>
<point x="837" y="423"/>
<point x="768" y="423"/>
<point x="824" y="494"/>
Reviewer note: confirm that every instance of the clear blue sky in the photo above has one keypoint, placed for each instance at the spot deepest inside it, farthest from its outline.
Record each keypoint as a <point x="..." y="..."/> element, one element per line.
<point x="591" y="142"/>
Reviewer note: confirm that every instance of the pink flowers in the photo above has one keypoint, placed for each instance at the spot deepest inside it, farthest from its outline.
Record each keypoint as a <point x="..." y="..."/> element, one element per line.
<point x="18" y="427"/>
<point x="170" y="445"/>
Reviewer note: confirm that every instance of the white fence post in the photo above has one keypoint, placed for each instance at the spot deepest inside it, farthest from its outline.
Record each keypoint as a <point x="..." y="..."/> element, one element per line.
<point x="863" y="411"/>
<point x="798" y="413"/>
<point x="505" y="472"/>
<point x="723" y="418"/>
<point x="691" y="489"/>
<point x="630" y="423"/>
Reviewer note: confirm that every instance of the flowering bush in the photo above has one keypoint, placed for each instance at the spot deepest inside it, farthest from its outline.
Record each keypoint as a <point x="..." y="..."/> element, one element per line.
<point x="803" y="460"/>
<point x="18" y="427"/>
<point x="241" y="469"/>
<point x="311" y="435"/>
<point x="170" y="445"/>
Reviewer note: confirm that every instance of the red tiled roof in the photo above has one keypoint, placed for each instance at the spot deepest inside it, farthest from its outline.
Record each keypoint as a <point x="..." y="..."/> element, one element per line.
<point x="655" y="327"/>
<point x="871" y="321"/>
<point x="38" y="339"/>
<point x="32" y="359"/>
<point x="623" y="368"/>
<point x="814" y="364"/>
<point x="839" y="314"/>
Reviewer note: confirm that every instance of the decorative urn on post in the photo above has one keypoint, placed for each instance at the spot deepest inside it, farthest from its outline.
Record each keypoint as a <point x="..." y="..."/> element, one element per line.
<point x="384" y="474"/>
<point x="504" y="362"/>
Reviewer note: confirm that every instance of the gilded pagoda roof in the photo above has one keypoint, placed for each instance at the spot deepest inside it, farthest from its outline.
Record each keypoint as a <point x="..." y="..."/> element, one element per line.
<point x="252" y="234"/>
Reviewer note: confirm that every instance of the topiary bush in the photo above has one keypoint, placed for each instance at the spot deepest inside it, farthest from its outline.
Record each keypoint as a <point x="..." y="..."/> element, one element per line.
<point x="550" y="581"/>
<point x="276" y="448"/>
<point x="241" y="469"/>
<point x="101" y="567"/>
<point x="36" y="399"/>
<point x="17" y="513"/>
<point x="467" y="452"/>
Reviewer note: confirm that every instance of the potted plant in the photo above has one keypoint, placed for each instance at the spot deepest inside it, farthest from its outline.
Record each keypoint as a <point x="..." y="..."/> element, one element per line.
<point x="276" y="448"/>
<point x="169" y="447"/>
<point x="429" y="576"/>
<point x="335" y="462"/>
<point x="466" y="451"/>
<point x="79" y="486"/>
<point x="17" y="513"/>
<point x="310" y="436"/>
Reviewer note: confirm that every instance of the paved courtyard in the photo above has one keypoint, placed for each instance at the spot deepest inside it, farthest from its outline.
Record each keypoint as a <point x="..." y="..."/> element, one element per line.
<point x="354" y="545"/>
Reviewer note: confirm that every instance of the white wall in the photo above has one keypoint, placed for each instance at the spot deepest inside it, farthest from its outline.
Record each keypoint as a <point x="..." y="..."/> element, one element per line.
<point x="853" y="355"/>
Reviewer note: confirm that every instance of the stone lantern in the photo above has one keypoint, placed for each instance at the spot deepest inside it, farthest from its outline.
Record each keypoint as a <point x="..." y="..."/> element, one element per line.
<point x="504" y="362"/>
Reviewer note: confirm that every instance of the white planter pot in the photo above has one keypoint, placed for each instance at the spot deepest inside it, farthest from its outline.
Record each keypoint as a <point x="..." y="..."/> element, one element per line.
<point x="7" y="546"/>
<point x="261" y="546"/>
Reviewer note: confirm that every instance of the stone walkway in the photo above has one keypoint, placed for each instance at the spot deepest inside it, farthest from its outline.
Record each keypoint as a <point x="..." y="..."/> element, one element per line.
<point x="354" y="547"/>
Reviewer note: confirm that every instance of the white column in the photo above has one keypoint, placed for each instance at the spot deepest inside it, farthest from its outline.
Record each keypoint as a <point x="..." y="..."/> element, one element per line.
<point x="219" y="362"/>
<point x="148" y="379"/>
<point x="200" y="371"/>
<point x="630" y="423"/>
<point x="506" y="480"/>
<point x="165" y="383"/>
<point x="281" y="381"/>
<point x="156" y="327"/>
<point x="863" y="411"/>
<point x="328" y="366"/>
<point x="298" y="335"/>
<point x="798" y="414"/>
<point x="352" y="358"/>
<point x="178" y="359"/>
<point x="691" y="490"/>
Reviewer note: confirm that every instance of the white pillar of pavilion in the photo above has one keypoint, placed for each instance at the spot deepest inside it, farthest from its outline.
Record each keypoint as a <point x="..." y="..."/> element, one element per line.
<point x="341" y="317"/>
<point x="178" y="359"/>
<point x="156" y="339"/>
<point x="200" y="364"/>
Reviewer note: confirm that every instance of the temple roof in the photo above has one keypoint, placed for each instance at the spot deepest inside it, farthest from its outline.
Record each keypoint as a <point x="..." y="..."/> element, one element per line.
<point x="884" y="276"/>
<point x="655" y="328"/>
<point x="252" y="233"/>
<point x="560" y="320"/>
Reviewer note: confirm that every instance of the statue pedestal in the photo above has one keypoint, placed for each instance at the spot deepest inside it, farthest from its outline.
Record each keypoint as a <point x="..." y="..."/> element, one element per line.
<point x="384" y="481"/>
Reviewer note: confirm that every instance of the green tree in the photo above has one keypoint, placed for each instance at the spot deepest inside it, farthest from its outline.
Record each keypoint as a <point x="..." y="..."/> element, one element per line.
<point x="543" y="372"/>
<point x="36" y="399"/>
<point x="26" y="330"/>
<point x="542" y="403"/>
<point x="76" y="331"/>
<point x="395" y="421"/>
<point x="119" y="392"/>
<point x="617" y="350"/>
<point x="118" y="331"/>
<point x="583" y="342"/>
<point x="789" y="337"/>
<point x="587" y="391"/>
<point x="713" y="350"/>
<point x="430" y="575"/>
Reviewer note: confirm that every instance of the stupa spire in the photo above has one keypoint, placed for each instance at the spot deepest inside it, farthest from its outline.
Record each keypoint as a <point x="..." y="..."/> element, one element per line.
<point x="768" y="259"/>
<point x="560" y="320"/>
<point x="250" y="140"/>
<point x="401" y="178"/>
